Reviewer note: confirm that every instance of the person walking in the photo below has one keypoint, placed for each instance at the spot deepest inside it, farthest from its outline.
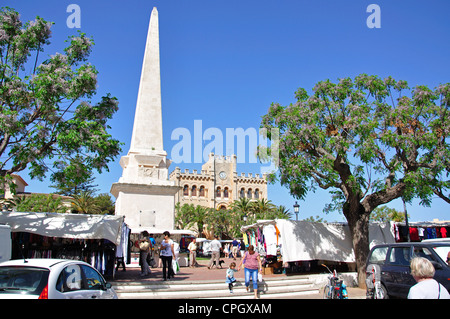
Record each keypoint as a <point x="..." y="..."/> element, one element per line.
<point x="193" y="253"/>
<point x="230" y="280"/>
<point x="234" y="248"/>
<point x="216" y="247"/>
<point x="227" y="250"/>
<point x="144" y="250"/>
<point x="423" y="271"/>
<point x="242" y="248"/>
<point x="167" y="252"/>
<point x="252" y="263"/>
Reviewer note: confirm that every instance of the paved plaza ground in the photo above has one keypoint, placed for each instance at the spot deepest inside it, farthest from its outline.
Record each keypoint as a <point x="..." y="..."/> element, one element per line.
<point x="202" y="273"/>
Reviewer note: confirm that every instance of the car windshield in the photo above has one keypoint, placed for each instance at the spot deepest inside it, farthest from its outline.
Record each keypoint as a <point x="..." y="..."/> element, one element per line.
<point x="23" y="280"/>
<point x="378" y="255"/>
<point x="442" y="251"/>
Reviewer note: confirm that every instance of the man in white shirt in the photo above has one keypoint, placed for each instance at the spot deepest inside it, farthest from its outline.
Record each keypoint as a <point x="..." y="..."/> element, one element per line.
<point x="216" y="247"/>
<point x="193" y="253"/>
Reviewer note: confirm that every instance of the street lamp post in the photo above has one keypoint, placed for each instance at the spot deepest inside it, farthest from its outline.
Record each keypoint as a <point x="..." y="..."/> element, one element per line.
<point x="296" y="208"/>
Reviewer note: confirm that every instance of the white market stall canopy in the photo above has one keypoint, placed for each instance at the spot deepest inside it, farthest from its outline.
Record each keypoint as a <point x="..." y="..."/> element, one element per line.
<point x="78" y="226"/>
<point x="156" y="231"/>
<point x="303" y="240"/>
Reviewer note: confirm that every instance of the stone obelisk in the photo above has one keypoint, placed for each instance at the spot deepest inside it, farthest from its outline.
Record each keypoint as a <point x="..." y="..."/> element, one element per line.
<point x="147" y="129"/>
<point x="144" y="194"/>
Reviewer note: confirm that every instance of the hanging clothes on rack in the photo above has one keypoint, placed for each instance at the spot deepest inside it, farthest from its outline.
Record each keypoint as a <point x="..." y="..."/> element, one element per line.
<point x="277" y="231"/>
<point x="123" y="247"/>
<point x="245" y="238"/>
<point x="254" y="238"/>
<point x="413" y="234"/>
<point x="431" y="233"/>
<point x="271" y="239"/>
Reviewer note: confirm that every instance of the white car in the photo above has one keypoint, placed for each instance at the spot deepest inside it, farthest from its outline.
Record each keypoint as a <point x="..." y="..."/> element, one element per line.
<point x="52" y="279"/>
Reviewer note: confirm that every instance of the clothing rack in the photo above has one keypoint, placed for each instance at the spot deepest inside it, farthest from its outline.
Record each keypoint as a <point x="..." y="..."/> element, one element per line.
<point x="100" y="253"/>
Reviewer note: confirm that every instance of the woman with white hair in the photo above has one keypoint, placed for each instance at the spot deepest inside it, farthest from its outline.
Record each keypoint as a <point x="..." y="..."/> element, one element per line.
<point x="426" y="288"/>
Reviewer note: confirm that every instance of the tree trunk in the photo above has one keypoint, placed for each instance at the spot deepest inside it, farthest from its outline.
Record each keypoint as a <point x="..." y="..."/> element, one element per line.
<point x="358" y="222"/>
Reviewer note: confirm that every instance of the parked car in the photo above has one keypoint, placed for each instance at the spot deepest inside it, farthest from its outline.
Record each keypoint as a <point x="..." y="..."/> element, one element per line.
<point x="5" y="243"/>
<point x="52" y="279"/>
<point x="393" y="260"/>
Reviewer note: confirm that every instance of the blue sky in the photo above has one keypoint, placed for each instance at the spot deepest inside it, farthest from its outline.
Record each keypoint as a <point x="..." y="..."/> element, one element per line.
<point x="225" y="62"/>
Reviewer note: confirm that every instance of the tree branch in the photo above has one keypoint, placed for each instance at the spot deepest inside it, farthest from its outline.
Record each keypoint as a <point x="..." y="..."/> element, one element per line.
<point x="4" y="143"/>
<point x="383" y="196"/>
<point x="318" y="177"/>
<point x="439" y="193"/>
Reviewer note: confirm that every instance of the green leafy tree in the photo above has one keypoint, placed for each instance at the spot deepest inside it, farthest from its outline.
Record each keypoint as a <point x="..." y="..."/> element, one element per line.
<point x="438" y="189"/>
<point x="73" y="183"/>
<point x="105" y="204"/>
<point x="217" y="222"/>
<point x="253" y="211"/>
<point x="315" y="219"/>
<point x="386" y="214"/>
<point x="199" y="217"/>
<point x="367" y="141"/>
<point x="184" y="215"/>
<point x="439" y="180"/>
<point x="226" y="222"/>
<point x="85" y="203"/>
<point x="46" y="203"/>
<point x="283" y="213"/>
<point x="244" y="206"/>
<point x="46" y="119"/>
<point x="261" y="208"/>
<point x="188" y="216"/>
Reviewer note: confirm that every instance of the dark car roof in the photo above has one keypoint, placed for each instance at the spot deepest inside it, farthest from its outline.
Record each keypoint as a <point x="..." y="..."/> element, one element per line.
<point x="427" y="244"/>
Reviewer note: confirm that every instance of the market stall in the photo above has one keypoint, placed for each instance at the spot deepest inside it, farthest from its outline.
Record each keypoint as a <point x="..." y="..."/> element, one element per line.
<point x="95" y="239"/>
<point x="286" y="241"/>
<point x="419" y="231"/>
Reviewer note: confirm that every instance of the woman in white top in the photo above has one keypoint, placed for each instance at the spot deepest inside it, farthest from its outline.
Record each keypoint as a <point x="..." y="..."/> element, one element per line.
<point x="167" y="252"/>
<point x="426" y="288"/>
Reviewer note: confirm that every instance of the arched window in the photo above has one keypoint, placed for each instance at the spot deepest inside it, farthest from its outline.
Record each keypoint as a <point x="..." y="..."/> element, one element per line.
<point x="249" y="193"/>
<point x="223" y="207"/>
<point x="256" y="193"/>
<point x="186" y="190"/>
<point x="225" y="192"/>
<point x="201" y="191"/>
<point x="242" y="193"/>
<point x="218" y="192"/>
<point x="194" y="191"/>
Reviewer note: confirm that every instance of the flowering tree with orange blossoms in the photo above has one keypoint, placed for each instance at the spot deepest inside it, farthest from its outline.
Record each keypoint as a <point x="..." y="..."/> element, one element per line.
<point x="367" y="141"/>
